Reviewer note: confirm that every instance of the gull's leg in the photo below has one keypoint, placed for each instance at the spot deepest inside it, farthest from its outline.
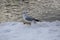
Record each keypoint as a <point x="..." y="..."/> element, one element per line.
<point x="25" y="22"/>
<point x="29" y="23"/>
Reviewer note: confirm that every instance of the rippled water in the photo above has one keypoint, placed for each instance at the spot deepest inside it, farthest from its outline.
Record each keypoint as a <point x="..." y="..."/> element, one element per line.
<point x="38" y="31"/>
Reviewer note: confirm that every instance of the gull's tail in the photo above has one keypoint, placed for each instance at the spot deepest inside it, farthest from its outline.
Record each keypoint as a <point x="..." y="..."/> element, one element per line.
<point x="37" y="20"/>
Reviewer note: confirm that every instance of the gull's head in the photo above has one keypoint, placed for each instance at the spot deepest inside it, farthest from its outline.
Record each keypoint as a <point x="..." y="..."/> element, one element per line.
<point x="24" y="12"/>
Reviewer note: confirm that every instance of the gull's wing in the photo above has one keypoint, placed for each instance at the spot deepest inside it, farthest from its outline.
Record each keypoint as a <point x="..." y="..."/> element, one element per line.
<point x="29" y="18"/>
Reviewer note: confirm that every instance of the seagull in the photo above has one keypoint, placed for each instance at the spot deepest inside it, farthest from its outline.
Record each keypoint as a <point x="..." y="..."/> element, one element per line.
<point x="28" y="18"/>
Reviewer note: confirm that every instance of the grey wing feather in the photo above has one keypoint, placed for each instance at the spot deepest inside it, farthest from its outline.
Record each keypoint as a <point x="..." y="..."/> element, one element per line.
<point x="31" y="19"/>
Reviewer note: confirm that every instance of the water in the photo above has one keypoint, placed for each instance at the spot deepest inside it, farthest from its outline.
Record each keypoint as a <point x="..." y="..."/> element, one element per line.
<point x="39" y="31"/>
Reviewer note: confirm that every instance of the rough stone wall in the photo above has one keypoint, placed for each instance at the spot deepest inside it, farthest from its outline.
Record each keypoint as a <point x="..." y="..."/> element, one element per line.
<point x="11" y="10"/>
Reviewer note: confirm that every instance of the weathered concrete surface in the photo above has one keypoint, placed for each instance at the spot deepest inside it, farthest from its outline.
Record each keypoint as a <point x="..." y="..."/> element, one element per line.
<point x="45" y="10"/>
